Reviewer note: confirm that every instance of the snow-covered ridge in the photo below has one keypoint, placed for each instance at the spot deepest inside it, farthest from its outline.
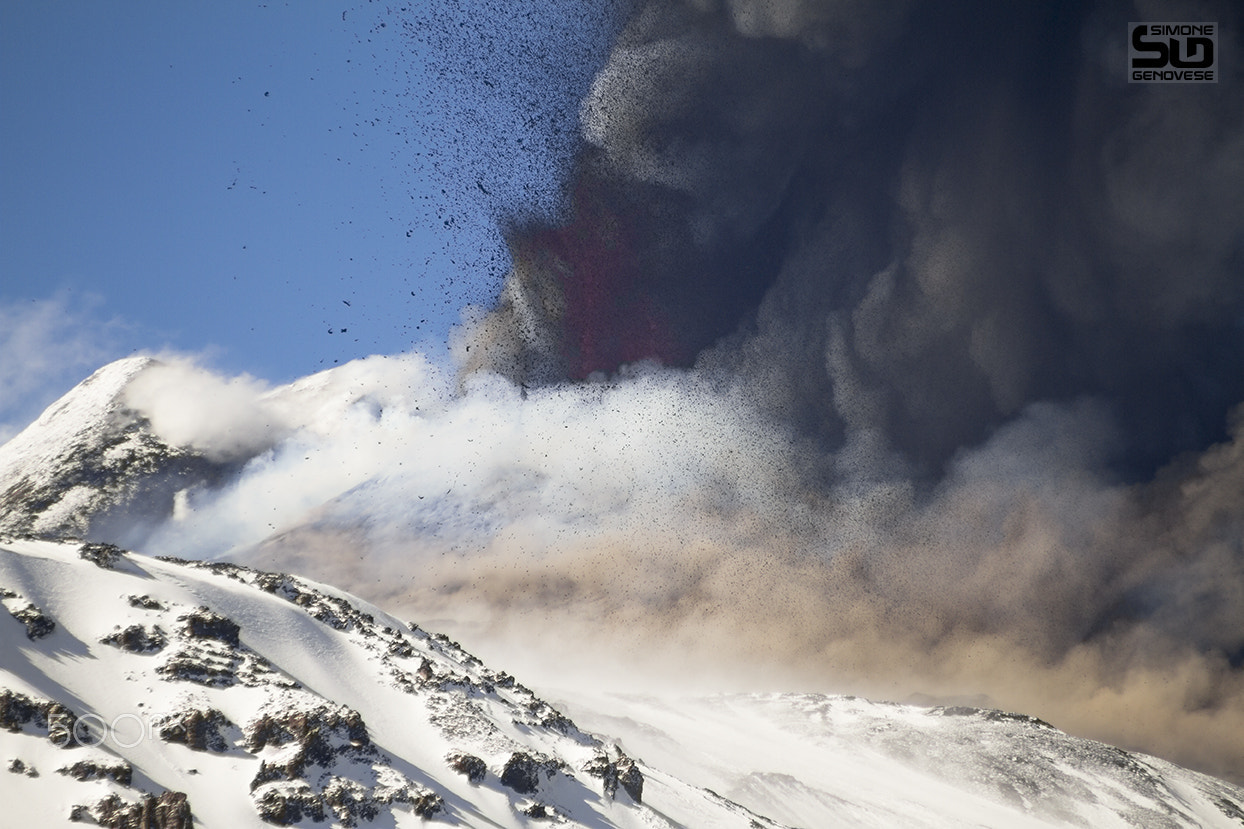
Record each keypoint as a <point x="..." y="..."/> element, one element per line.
<point x="114" y="458"/>
<point x="137" y="689"/>
<point x="264" y="698"/>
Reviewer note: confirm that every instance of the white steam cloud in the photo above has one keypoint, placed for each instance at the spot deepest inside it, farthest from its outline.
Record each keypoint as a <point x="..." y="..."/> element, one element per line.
<point x="223" y="418"/>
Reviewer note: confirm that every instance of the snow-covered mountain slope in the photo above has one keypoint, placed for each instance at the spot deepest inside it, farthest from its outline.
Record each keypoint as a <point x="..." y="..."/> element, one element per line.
<point x="169" y="691"/>
<point x="241" y="697"/>
<point x="90" y="466"/>
<point x="141" y="440"/>
<point x="815" y="760"/>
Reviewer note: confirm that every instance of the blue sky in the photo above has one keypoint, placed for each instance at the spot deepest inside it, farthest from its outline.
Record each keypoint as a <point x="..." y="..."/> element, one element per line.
<point x="276" y="186"/>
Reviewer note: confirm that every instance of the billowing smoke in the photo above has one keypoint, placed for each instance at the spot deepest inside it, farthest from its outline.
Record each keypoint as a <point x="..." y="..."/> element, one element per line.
<point x="888" y="347"/>
<point x="911" y="219"/>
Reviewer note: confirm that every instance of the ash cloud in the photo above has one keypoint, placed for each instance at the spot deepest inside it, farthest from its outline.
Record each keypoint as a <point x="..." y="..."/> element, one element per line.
<point x="905" y="217"/>
<point x="995" y="289"/>
<point x="884" y="347"/>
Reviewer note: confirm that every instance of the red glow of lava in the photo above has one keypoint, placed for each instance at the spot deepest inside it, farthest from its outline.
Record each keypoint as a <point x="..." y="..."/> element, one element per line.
<point x="611" y="318"/>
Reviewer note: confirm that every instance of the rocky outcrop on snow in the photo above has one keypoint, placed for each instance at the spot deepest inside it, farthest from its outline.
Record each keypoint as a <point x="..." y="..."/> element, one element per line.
<point x="138" y="639"/>
<point x="119" y="771"/>
<point x="37" y="623"/>
<point x="619" y="771"/>
<point x="169" y="810"/>
<point x="312" y="764"/>
<point x="101" y="554"/>
<point x="107" y="795"/>
<point x="468" y="765"/>
<point x="209" y="652"/>
<point x="198" y="729"/>
<point x="20" y="713"/>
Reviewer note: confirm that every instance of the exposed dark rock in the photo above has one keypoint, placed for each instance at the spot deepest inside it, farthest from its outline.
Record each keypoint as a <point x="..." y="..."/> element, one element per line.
<point x="197" y="729"/>
<point x="138" y="639"/>
<point x="298" y="726"/>
<point x="522" y="773"/>
<point x="285" y="808"/>
<point x="216" y="658"/>
<point x="18" y="709"/>
<point x="38" y="624"/>
<point x="537" y="810"/>
<point x="631" y="778"/>
<point x="502" y="680"/>
<point x="350" y="801"/>
<point x="19" y="766"/>
<point x="322" y="734"/>
<point x="210" y="653"/>
<point x="330" y="746"/>
<point x="53" y="719"/>
<point x="547" y="716"/>
<point x="468" y="764"/>
<point x="990" y="715"/>
<point x="101" y="555"/>
<point x="203" y="623"/>
<point x="333" y="611"/>
<point x="622" y="771"/>
<point x="398" y="646"/>
<point x="202" y="668"/>
<point x="83" y="770"/>
<point x="993" y="715"/>
<point x="145" y="602"/>
<point x="428" y="805"/>
<point x="443" y="644"/>
<point x="1230" y="809"/>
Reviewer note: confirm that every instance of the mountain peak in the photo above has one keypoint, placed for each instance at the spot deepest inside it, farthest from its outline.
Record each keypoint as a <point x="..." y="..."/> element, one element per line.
<point x="88" y="459"/>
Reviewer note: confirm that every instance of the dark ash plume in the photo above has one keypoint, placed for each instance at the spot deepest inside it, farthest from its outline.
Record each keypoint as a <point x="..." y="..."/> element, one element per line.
<point x="908" y="218"/>
<point x="1000" y="290"/>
